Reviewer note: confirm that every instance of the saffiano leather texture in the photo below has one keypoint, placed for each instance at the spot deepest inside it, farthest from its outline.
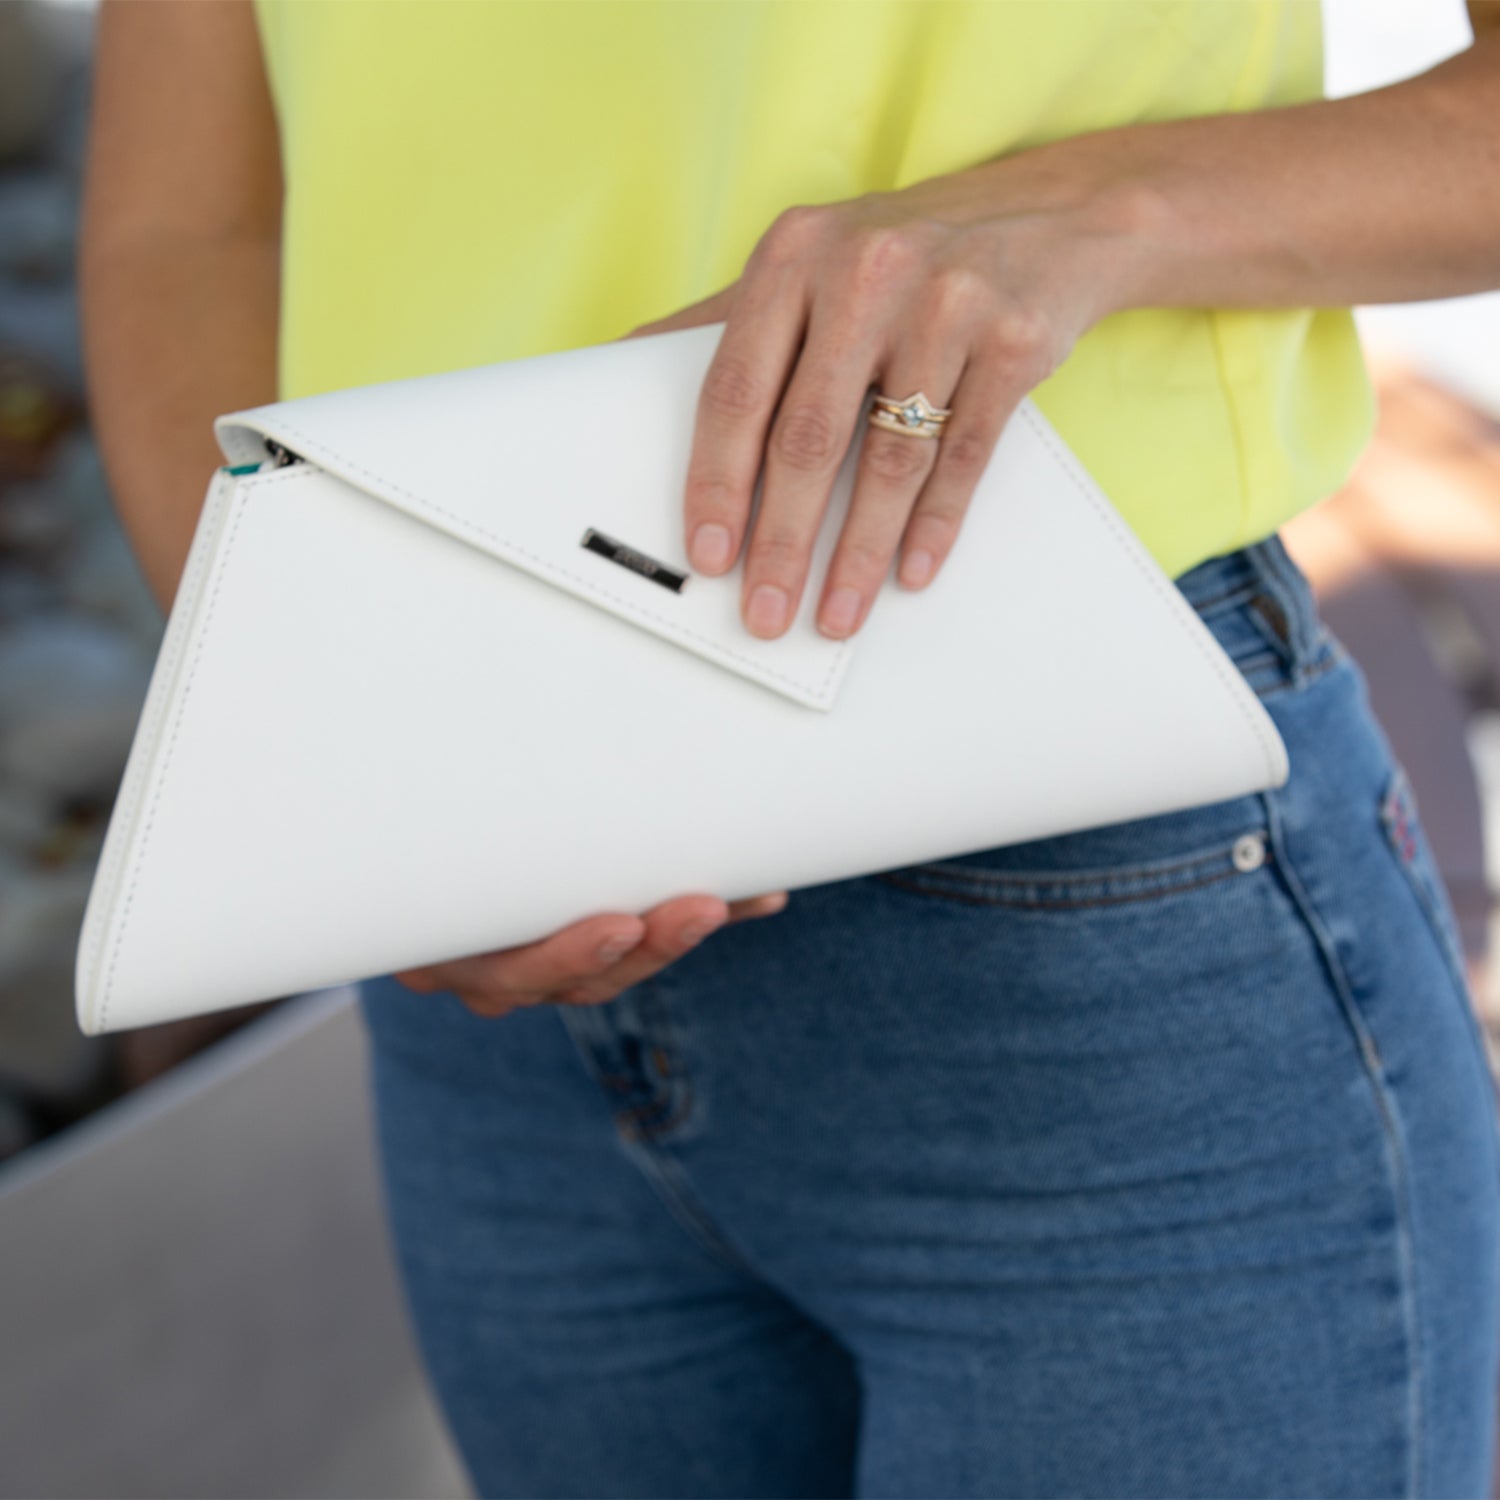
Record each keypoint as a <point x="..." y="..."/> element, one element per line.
<point x="446" y="682"/>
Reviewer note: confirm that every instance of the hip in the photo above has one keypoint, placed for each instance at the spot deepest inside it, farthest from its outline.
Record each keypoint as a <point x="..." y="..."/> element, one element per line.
<point x="1217" y="1064"/>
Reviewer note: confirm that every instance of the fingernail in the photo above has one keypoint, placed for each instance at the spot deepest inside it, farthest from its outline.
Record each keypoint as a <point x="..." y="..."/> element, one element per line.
<point x="616" y="947"/>
<point x="916" y="568"/>
<point x="767" y="607"/>
<point x="710" y="546"/>
<point x="695" y="932"/>
<point x="840" y="611"/>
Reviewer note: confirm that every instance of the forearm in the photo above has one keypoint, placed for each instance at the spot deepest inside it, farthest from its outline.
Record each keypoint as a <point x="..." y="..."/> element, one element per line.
<point x="1388" y="196"/>
<point x="175" y="332"/>
<point x="178" y="258"/>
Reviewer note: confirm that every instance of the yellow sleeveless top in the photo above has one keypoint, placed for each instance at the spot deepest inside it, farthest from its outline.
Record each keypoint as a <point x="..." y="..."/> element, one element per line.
<point x="483" y="180"/>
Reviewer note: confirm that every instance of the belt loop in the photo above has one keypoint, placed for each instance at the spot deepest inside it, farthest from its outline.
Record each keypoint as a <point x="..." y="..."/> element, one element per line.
<point x="1288" y="586"/>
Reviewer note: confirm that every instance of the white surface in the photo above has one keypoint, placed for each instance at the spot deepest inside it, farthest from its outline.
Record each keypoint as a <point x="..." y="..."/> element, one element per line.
<point x="1368" y="43"/>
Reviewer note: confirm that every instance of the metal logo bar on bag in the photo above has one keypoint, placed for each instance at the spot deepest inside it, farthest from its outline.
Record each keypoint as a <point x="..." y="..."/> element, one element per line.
<point x="637" y="562"/>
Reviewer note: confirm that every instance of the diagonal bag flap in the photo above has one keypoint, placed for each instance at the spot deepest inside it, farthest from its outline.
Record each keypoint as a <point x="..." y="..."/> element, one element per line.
<point x="571" y="466"/>
<point x="479" y="766"/>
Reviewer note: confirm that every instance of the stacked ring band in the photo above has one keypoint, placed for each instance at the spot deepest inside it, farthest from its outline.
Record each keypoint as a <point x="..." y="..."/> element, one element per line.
<point x="915" y="416"/>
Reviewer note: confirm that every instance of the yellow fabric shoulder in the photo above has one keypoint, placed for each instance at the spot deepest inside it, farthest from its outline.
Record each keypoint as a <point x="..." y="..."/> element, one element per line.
<point x="469" y="183"/>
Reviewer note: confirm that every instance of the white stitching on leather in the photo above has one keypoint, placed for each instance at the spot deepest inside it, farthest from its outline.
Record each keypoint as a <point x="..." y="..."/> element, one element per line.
<point x="110" y="873"/>
<point x="822" y="692"/>
<point x="1234" y="686"/>
<point x="161" y="780"/>
<point x="257" y="481"/>
<point x="1116" y="522"/>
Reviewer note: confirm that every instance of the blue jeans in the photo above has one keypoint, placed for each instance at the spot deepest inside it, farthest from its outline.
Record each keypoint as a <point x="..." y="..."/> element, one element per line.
<point x="1156" y="1159"/>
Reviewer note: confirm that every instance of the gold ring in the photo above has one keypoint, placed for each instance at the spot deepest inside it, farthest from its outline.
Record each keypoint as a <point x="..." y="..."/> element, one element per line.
<point x="914" y="416"/>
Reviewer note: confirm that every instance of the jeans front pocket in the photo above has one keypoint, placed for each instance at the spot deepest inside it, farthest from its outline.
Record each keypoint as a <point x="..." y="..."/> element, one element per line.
<point x="1044" y="890"/>
<point x="1142" y="859"/>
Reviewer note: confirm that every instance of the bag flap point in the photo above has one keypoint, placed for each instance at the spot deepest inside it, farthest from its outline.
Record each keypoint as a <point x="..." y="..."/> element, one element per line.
<point x="493" y="456"/>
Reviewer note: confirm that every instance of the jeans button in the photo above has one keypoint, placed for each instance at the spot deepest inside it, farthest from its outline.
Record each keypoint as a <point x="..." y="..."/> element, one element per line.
<point x="1249" y="851"/>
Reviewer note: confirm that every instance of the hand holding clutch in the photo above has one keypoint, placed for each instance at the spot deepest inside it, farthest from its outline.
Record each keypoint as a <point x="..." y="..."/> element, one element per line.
<point x="440" y="681"/>
<point x="590" y="961"/>
<point x="904" y="268"/>
<point x="953" y="298"/>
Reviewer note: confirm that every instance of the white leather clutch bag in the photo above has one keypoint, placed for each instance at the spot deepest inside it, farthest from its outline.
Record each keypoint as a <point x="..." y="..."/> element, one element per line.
<point x="438" y="679"/>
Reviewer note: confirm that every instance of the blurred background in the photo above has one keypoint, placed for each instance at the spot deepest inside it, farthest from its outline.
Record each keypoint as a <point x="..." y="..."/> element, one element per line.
<point x="195" y="1291"/>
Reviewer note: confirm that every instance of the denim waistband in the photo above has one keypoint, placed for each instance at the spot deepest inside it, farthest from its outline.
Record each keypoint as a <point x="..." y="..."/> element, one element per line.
<point x="1263" y="578"/>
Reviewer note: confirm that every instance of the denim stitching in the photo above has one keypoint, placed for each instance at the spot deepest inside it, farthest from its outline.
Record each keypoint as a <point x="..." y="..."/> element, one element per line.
<point x="646" y="1124"/>
<point x="1400" y="817"/>
<point x="1264" y="676"/>
<point x="1258" y="661"/>
<point x="1310" y="649"/>
<point x="1009" y="888"/>
<point x="666" y="1175"/>
<point x="667" y="1107"/>
<point x="933" y="887"/>
<point x="1293" y="593"/>
<point x="593" y="1027"/>
<point x="1269" y="616"/>
<point x="1095" y="875"/>
<point x="1390" y="1127"/>
<point x="656" y="1116"/>
<point x="665" y="1179"/>
<point x="1235" y="593"/>
<point x="1325" y="661"/>
<point x="673" y="1093"/>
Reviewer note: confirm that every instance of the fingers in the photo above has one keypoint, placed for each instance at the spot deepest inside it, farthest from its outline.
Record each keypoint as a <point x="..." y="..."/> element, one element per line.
<point x="892" y="469"/>
<point x="781" y="404"/>
<point x="672" y="928"/>
<point x="809" y="438"/>
<point x="898" y="307"/>
<point x="766" y="905"/>
<point x="492" y="983"/>
<point x="589" y="961"/>
<point x="1001" y="369"/>
<point x="740" y="391"/>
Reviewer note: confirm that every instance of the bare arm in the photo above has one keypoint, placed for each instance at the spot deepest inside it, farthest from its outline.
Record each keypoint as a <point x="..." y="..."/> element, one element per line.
<point x="178" y="257"/>
<point x="1387" y="196"/>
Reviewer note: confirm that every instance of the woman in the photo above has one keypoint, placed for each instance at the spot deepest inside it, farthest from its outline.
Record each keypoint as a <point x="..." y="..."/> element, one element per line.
<point x="1153" y="1159"/>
